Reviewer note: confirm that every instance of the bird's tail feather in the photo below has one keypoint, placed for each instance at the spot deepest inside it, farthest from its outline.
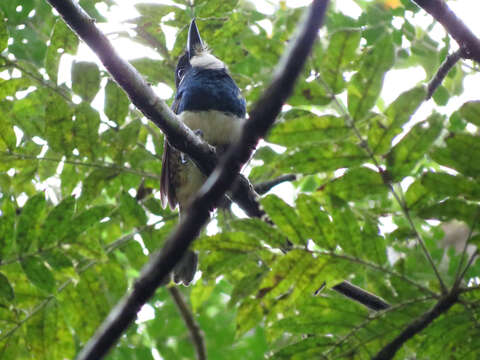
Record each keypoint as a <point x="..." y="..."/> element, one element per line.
<point x="185" y="270"/>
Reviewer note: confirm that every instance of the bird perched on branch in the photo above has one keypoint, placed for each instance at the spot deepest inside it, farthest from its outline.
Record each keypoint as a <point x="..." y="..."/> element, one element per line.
<point x="210" y="103"/>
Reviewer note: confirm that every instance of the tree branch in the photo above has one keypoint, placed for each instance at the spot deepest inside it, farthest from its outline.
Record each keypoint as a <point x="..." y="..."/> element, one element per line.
<point x="145" y="99"/>
<point x="365" y="298"/>
<point x="417" y="325"/>
<point x="261" y="119"/>
<point x="443" y="70"/>
<point x="465" y="38"/>
<point x="266" y="186"/>
<point x="195" y="331"/>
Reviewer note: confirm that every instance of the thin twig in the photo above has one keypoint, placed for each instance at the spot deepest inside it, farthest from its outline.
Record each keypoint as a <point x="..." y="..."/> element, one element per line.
<point x="351" y="124"/>
<point x="442" y="71"/>
<point x="261" y="119"/>
<point x="417" y="325"/>
<point x="465" y="38"/>
<point x="195" y="332"/>
<point x="105" y="166"/>
<point x="458" y="276"/>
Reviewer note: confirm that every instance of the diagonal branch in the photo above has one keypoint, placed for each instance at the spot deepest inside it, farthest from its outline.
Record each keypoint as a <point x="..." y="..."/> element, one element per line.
<point x="465" y="38"/>
<point x="261" y="119"/>
<point x="195" y="331"/>
<point x="145" y="99"/>
<point x="417" y="325"/>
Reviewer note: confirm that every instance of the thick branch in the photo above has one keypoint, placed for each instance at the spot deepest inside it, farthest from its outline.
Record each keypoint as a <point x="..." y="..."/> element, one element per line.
<point x="261" y="119"/>
<point x="144" y="98"/>
<point x="417" y="325"/>
<point x="363" y="297"/>
<point x="266" y="186"/>
<point x="465" y="38"/>
<point x="193" y="328"/>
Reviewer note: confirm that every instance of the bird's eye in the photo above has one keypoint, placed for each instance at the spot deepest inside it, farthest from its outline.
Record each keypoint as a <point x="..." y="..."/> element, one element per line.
<point x="180" y="73"/>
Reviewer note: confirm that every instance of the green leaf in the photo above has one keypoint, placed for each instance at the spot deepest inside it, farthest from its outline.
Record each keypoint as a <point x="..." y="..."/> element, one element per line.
<point x="85" y="130"/>
<point x="384" y="129"/>
<point x="62" y="38"/>
<point x="6" y="290"/>
<point x="116" y="103"/>
<point x="309" y="129"/>
<point x="357" y="183"/>
<point x="58" y="222"/>
<point x="86" y="219"/>
<point x="460" y="153"/>
<point x="58" y="125"/>
<point x="403" y="157"/>
<point x="347" y="230"/>
<point x="316" y="221"/>
<point x="29" y="222"/>
<point x="3" y="32"/>
<point x="7" y="228"/>
<point x="366" y="84"/>
<point x="8" y="139"/>
<point x="441" y="96"/>
<point x="442" y="185"/>
<point x="285" y="217"/>
<point x="85" y="79"/>
<point x="155" y="71"/>
<point x="339" y="55"/>
<point x="131" y="211"/>
<point x="38" y="274"/>
<point x="470" y="111"/>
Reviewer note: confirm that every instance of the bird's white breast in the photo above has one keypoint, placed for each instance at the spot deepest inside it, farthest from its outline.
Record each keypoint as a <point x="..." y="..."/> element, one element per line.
<point x="218" y="128"/>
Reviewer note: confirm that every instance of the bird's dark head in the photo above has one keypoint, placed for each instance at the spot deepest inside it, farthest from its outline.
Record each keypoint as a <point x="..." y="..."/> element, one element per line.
<point x="197" y="55"/>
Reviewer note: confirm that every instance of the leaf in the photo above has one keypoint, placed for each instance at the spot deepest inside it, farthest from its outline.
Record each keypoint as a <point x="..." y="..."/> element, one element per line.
<point x="384" y="129"/>
<point x="309" y="129"/>
<point x="86" y="219"/>
<point x="461" y="153"/>
<point x="155" y="71"/>
<point x="85" y="79"/>
<point x="131" y="211"/>
<point x="3" y="32"/>
<point x="58" y="125"/>
<point x="261" y="231"/>
<point x="7" y="228"/>
<point x="347" y="229"/>
<point x="316" y="221"/>
<point x="285" y="217"/>
<point x="341" y="52"/>
<point x="6" y="290"/>
<point x="58" y="222"/>
<point x="403" y="157"/>
<point x="62" y="38"/>
<point x="116" y="103"/>
<point x="366" y="84"/>
<point x="38" y="274"/>
<point x="356" y="184"/>
<point x="443" y="185"/>
<point x="29" y="221"/>
<point x="85" y="130"/>
<point x="470" y="111"/>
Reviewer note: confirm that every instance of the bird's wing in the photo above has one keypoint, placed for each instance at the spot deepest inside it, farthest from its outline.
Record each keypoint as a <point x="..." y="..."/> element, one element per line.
<point x="167" y="181"/>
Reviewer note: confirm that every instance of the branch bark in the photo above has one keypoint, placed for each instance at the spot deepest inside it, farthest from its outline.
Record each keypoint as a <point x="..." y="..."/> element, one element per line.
<point x="187" y="316"/>
<point x="145" y="99"/>
<point x="261" y="119"/>
<point x="465" y="38"/>
<point x="417" y="325"/>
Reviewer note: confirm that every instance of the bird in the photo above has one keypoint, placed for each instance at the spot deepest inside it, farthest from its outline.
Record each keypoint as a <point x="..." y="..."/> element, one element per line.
<point x="210" y="103"/>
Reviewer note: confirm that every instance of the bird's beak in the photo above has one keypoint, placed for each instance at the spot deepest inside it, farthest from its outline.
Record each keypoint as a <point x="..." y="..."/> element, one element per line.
<point x="194" y="42"/>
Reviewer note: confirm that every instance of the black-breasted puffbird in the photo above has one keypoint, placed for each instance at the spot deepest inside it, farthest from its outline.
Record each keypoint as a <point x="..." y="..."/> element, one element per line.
<point x="210" y="103"/>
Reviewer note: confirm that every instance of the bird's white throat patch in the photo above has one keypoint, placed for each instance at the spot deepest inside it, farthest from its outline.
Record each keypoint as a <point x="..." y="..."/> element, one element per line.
<point x="205" y="60"/>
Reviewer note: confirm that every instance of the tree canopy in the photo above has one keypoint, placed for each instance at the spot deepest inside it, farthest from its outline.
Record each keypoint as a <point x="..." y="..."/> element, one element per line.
<point x="382" y="193"/>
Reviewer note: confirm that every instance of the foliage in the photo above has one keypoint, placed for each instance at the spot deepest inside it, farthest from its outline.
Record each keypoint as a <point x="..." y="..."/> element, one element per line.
<point x="80" y="209"/>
